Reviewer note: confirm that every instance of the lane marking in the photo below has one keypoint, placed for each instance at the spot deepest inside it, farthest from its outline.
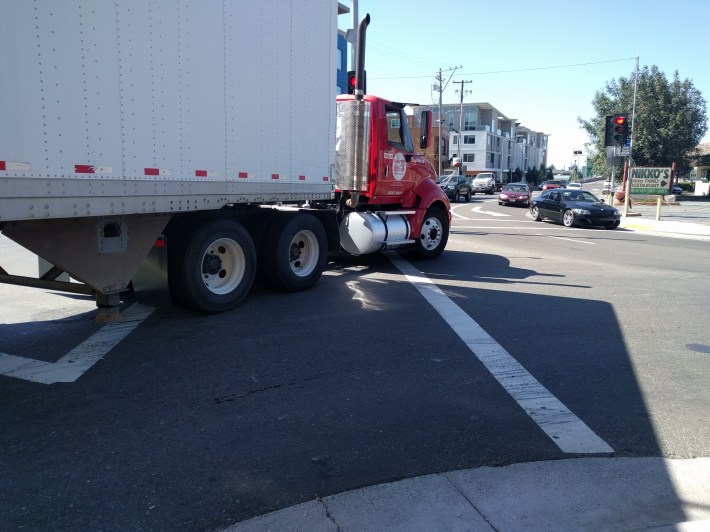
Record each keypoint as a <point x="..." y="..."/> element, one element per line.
<point x="571" y="239"/>
<point x="489" y="213"/>
<point x="75" y="363"/>
<point x="565" y="429"/>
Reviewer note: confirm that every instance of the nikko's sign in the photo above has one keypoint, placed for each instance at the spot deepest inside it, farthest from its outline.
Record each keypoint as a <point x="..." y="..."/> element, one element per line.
<point x="650" y="180"/>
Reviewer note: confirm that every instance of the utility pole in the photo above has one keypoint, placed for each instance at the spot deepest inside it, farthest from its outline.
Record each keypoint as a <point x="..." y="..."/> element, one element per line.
<point x="462" y="82"/>
<point x="440" y="88"/>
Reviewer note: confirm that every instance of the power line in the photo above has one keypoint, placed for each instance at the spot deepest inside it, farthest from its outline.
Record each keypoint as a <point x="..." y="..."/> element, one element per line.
<point x="523" y="69"/>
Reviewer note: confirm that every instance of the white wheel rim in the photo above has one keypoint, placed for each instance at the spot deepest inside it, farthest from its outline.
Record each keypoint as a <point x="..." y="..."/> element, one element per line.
<point x="432" y="232"/>
<point x="303" y="253"/>
<point x="223" y="266"/>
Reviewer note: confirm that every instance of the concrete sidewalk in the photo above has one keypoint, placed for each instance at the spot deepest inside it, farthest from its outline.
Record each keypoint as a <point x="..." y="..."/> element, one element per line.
<point x="583" y="494"/>
<point x="671" y="228"/>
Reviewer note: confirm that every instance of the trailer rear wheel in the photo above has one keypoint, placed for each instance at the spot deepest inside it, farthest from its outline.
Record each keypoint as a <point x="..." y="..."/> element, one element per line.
<point x="213" y="268"/>
<point x="433" y="235"/>
<point x="295" y="252"/>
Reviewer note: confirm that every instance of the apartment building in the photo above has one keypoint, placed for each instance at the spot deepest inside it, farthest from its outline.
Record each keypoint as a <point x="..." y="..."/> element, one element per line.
<point x="485" y="139"/>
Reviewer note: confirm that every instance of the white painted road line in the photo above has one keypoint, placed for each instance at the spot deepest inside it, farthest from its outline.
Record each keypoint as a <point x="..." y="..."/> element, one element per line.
<point x="73" y="365"/>
<point x="489" y="213"/>
<point x="572" y="239"/>
<point x="565" y="429"/>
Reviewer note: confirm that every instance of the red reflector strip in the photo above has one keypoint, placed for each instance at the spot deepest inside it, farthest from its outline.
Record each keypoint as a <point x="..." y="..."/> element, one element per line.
<point x="83" y="169"/>
<point x="152" y="171"/>
<point x="14" y="166"/>
<point x="200" y="173"/>
<point x="302" y="178"/>
<point x="274" y="176"/>
<point x="243" y="175"/>
<point x="160" y="243"/>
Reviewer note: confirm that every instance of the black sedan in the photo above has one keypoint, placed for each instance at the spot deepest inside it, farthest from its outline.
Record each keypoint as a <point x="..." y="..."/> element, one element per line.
<point x="574" y="207"/>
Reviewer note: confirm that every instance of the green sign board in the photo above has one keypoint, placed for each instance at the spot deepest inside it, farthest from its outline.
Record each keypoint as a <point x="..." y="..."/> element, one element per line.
<point x="650" y="180"/>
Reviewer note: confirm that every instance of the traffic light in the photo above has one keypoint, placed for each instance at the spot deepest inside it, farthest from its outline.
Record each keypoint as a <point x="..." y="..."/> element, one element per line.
<point x="621" y="129"/>
<point x="616" y="130"/>
<point x="352" y="82"/>
<point x="608" y="131"/>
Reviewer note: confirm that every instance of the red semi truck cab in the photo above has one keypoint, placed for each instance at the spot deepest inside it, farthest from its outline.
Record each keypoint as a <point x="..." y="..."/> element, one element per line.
<point x="384" y="182"/>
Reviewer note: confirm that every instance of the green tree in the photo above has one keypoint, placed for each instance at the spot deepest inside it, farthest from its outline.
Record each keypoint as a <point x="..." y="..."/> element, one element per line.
<point x="670" y="119"/>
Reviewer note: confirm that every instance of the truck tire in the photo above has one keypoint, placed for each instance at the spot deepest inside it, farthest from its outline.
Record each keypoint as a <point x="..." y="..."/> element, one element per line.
<point x="433" y="235"/>
<point x="212" y="269"/>
<point x="295" y="252"/>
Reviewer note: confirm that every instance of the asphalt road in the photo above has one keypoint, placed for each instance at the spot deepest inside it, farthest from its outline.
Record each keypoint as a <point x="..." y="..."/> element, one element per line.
<point x="195" y="422"/>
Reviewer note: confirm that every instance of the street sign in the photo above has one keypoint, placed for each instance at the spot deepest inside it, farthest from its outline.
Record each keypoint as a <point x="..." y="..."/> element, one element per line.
<point x="650" y="180"/>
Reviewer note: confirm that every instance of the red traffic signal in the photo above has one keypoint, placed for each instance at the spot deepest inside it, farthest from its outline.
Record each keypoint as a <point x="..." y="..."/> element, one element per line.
<point x="621" y="130"/>
<point x="352" y="81"/>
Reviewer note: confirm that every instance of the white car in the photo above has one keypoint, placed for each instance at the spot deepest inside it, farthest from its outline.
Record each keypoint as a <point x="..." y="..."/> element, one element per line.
<point x="575" y="186"/>
<point x="484" y="182"/>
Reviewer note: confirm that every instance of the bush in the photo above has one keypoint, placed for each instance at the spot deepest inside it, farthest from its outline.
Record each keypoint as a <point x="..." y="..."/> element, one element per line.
<point x="687" y="187"/>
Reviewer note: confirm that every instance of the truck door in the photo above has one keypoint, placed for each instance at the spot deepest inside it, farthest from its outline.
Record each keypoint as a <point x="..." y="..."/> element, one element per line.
<point x="401" y="167"/>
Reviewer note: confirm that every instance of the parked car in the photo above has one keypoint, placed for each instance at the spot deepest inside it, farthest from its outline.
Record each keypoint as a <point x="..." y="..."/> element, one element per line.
<point x="514" y="194"/>
<point x="577" y="185"/>
<point x="606" y="189"/>
<point x="677" y="190"/>
<point x="550" y="184"/>
<point x="574" y="207"/>
<point x="455" y="186"/>
<point x="484" y="182"/>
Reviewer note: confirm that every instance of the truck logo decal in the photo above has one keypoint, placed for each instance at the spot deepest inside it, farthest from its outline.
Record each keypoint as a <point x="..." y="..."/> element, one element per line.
<point x="399" y="166"/>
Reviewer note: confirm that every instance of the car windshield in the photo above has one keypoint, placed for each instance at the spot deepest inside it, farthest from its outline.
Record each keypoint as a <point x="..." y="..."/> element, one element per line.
<point x="516" y="188"/>
<point x="579" y="195"/>
<point x="443" y="179"/>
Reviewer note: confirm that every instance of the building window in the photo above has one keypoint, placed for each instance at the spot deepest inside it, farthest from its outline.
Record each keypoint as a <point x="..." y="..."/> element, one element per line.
<point x="469" y="157"/>
<point x="469" y="139"/>
<point x="455" y="140"/>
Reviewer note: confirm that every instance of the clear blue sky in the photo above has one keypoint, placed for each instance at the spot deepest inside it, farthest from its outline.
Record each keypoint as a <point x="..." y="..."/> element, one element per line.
<point x="516" y="53"/>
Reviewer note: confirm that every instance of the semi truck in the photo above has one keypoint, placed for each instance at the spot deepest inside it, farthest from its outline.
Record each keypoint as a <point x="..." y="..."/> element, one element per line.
<point x="199" y="143"/>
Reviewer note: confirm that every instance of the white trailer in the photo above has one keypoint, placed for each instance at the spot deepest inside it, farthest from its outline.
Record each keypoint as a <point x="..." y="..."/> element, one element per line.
<point x="117" y="115"/>
<point x="209" y="126"/>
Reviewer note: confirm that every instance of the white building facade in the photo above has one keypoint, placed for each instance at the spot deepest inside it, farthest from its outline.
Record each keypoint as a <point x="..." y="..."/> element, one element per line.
<point x="488" y="141"/>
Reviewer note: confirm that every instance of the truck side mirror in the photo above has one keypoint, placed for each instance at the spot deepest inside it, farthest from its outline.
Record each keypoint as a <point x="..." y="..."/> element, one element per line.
<point x="425" y="138"/>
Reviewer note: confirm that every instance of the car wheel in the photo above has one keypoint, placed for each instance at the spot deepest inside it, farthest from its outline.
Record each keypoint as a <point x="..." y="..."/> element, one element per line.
<point x="500" y="203"/>
<point x="568" y="218"/>
<point x="455" y="198"/>
<point x="535" y="213"/>
<point x="468" y="196"/>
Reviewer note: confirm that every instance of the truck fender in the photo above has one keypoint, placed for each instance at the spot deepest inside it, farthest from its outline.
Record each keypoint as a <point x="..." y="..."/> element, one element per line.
<point x="422" y="196"/>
